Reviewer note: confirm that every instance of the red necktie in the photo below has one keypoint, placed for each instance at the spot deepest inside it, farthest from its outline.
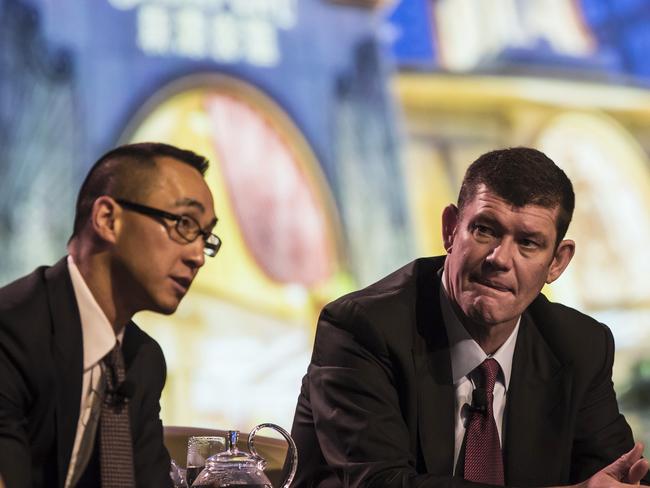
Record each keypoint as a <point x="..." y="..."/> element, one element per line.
<point x="483" y="459"/>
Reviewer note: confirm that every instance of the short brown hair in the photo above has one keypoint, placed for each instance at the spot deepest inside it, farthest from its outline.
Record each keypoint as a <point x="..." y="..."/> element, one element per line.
<point x="522" y="176"/>
<point x="125" y="172"/>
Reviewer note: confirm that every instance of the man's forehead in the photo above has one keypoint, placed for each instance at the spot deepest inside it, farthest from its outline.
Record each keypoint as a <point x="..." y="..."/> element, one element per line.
<point x="490" y="205"/>
<point x="183" y="185"/>
<point x="485" y="197"/>
<point x="171" y="170"/>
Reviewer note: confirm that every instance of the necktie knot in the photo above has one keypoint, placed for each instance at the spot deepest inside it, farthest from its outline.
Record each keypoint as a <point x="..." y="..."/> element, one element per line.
<point x="114" y="370"/>
<point x="112" y="357"/>
<point x="490" y="369"/>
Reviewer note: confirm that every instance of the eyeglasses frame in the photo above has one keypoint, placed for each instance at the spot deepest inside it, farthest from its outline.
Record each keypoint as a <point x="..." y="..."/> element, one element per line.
<point x="210" y="249"/>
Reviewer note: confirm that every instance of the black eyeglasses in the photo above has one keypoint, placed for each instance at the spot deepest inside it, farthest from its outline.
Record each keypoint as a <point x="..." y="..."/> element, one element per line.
<point x="187" y="228"/>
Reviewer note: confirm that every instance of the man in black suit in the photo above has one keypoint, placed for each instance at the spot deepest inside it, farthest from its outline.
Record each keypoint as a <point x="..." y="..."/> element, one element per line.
<point x="399" y="377"/>
<point x="143" y="225"/>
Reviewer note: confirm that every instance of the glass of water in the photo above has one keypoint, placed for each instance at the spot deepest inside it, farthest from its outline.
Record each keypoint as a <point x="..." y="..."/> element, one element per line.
<point x="200" y="448"/>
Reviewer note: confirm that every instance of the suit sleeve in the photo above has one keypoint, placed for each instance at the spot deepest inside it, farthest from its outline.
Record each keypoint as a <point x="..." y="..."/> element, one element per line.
<point x="152" y="462"/>
<point x="15" y="453"/>
<point x="356" y="406"/>
<point x="602" y="433"/>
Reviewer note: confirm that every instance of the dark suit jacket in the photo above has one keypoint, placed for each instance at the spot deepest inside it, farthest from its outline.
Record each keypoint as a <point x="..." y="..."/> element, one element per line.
<point x="377" y="404"/>
<point x="40" y="384"/>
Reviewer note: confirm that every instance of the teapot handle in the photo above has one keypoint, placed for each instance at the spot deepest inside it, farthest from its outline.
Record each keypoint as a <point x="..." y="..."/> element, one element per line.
<point x="292" y="453"/>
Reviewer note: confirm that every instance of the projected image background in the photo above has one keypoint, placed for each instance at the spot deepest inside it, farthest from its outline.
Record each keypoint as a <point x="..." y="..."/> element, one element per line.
<point x="337" y="132"/>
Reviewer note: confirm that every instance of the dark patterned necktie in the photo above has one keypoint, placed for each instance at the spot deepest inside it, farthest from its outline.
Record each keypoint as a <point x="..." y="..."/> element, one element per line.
<point x="116" y="446"/>
<point x="483" y="458"/>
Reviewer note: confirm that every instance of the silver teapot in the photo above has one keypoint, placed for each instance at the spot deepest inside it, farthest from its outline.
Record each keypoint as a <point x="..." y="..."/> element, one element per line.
<point x="239" y="469"/>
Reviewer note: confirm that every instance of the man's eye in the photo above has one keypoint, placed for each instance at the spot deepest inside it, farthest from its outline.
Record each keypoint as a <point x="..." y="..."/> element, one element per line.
<point x="529" y="244"/>
<point x="186" y="224"/>
<point x="483" y="230"/>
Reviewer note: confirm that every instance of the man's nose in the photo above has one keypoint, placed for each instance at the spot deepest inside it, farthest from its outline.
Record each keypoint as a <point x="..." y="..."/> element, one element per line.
<point x="194" y="255"/>
<point x="502" y="254"/>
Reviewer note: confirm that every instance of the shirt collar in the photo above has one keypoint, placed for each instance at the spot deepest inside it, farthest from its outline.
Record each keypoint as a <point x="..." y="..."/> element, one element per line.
<point x="466" y="354"/>
<point x="97" y="333"/>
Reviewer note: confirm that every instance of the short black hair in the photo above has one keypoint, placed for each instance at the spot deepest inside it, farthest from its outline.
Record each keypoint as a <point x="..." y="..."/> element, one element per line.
<point x="521" y="176"/>
<point x="126" y="172"/>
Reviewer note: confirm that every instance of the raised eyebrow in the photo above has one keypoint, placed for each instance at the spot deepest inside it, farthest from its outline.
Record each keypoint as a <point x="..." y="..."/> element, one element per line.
<point x="487" y="220"/>
<point x="189" y="202"/>
<point x="536" y="236"/>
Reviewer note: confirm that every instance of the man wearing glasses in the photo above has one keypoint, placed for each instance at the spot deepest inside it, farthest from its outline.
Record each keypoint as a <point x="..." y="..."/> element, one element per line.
<point x="80" y="383"/>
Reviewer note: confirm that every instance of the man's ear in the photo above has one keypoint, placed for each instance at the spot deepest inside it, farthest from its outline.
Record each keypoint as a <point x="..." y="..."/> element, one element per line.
<point x="561" y="259"/>
<point x="104" y="218"/>
<point x="449" y="223"/>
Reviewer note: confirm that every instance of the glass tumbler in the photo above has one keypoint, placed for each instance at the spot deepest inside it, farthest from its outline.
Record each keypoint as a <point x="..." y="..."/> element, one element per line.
<point x="200" y="448"/>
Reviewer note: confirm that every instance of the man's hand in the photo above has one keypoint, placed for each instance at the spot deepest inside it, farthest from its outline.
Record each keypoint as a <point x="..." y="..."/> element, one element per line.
<point x="628" y="469"/>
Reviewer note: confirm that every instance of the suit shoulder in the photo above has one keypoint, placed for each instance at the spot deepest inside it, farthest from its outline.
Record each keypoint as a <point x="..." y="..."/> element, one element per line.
<point x="397" y="287"/>
<point x="21" y="294"/>
<point x="566" y="320"/>
<point x="386" y="308"/>
<point x="568" y="330"/>
<point x="26" y="336"/>
<point x="25" y="320"/>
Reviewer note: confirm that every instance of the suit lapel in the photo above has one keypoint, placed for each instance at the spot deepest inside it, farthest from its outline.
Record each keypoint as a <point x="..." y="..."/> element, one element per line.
<point x="130" y="345"/>
<point x="537" y="412"/>
<point x="67" y="352"/>
<point x="433" y="375"/>
<point x="130" y="348"/>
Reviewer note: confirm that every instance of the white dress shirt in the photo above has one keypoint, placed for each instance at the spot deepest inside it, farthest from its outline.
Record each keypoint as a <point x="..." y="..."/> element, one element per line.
<point x="466" y="356"/>
<point x="98" y="339"/>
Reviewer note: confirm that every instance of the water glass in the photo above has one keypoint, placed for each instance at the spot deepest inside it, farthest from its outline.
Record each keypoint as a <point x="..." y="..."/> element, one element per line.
<point x="200" y="448"/>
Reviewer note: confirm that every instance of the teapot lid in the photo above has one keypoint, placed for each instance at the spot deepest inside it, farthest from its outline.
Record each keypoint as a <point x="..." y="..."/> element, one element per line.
<point x="232" y="456"/>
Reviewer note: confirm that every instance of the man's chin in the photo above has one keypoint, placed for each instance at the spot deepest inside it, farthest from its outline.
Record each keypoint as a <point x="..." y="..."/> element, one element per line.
<point x="167" y="311"/>
<point x="166" y="307"/>
<point x="489" y="315"/>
